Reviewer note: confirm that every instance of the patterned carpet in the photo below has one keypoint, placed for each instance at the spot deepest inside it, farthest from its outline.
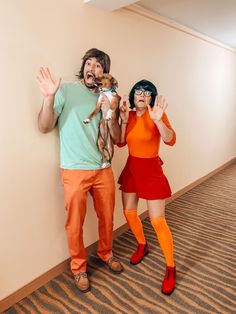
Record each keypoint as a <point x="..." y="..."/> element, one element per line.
<point x="203" y="223"/>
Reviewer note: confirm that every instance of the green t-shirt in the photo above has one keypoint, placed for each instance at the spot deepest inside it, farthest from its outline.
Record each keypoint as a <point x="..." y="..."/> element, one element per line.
<point x="78" y="141"/>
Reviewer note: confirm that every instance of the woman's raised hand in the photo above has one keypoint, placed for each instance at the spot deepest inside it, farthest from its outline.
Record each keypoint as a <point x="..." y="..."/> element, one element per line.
<point x="47" y="85"/>
<point x="157" y="111"/>
<point x="124" y="112"/>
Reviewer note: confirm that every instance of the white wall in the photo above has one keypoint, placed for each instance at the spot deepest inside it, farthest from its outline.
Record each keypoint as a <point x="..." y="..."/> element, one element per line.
<point x="197" y="78"/>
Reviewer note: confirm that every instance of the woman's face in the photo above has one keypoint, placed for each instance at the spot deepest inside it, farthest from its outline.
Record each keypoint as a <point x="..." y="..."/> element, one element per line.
<point x="142" y="98"/>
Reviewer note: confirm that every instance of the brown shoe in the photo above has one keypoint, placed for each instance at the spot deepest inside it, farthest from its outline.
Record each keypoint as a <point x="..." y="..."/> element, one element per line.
<point x="114" y="265"/>
<point x="82" y="282"/>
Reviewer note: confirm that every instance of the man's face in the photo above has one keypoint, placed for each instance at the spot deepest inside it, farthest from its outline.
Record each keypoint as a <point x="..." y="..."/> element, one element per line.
<point x="92" y="70"/>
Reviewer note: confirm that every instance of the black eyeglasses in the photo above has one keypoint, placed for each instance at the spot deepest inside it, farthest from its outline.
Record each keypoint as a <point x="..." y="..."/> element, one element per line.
<point x="144" y="92"/>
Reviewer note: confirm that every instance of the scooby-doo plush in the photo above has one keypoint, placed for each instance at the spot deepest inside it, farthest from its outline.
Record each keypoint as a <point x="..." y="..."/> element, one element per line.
<point x="107" y="85"/>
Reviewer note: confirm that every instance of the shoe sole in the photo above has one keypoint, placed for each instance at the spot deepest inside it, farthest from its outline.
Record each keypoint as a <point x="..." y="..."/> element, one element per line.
<point x="115" y="271"/>
<point x="169" y="293"/>
<point x="141" y="259"/>
<point x="85" y="290"/>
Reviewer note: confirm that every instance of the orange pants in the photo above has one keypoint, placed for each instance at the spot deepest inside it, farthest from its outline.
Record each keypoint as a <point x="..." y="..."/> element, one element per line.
<point x="101" y="185"/>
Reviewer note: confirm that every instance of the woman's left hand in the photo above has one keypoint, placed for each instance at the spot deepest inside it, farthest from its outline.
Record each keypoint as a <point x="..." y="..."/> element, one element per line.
<point x="124" y="113"/>
<point x="157" y="111"/>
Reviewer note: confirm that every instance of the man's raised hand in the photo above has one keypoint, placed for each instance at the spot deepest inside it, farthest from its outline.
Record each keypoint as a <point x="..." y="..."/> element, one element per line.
<point x="47" y="85"/>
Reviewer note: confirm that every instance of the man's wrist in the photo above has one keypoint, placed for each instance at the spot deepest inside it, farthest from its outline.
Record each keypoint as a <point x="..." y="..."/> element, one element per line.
<point x="49" y="98"/>
<point x="48" y="101"/>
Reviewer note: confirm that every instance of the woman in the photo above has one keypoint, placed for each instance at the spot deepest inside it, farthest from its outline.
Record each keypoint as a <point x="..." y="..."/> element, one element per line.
<point x="142" y="128"/>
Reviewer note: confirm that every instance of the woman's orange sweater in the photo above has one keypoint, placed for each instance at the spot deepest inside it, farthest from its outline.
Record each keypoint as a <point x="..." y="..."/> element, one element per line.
<point x="143" y="137"/>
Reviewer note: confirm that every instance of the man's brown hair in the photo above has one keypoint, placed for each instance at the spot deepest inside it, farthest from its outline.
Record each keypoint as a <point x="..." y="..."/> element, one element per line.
<point x="101" y="57"/>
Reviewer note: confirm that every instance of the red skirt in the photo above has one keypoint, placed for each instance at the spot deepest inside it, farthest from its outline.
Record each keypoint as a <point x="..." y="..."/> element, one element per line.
<point x="145" y="177"/>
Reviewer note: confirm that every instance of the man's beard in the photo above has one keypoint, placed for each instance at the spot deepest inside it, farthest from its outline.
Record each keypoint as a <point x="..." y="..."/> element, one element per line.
<point x="93" y="86"/>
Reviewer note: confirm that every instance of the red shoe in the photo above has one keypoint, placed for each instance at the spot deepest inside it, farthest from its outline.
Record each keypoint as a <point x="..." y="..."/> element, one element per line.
<point x="168" y="284"/>
<point x="141" y="251"/>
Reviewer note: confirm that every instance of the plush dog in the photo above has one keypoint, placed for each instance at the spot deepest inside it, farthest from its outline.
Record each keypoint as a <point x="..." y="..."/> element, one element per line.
<point x="107" y="86"/>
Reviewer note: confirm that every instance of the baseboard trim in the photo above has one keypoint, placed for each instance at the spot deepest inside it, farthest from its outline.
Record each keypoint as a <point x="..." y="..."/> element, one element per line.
<point x="200" y="180"/>
<point x="63" y="266"/>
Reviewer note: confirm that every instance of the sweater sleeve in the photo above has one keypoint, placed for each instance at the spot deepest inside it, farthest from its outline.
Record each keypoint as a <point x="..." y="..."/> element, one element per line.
<point x="167" y="123"/>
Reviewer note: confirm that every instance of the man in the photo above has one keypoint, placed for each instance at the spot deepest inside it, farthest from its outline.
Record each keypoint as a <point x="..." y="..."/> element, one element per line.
<point x="81" y="168"/>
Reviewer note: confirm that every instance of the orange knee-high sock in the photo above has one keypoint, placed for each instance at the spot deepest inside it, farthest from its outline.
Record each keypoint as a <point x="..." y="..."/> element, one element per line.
<point x="135" y="224"/>
<point x="165" y="238"/>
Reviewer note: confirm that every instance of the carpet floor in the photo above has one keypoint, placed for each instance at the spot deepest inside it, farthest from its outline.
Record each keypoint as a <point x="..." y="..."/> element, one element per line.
<point x="203" y="223"/>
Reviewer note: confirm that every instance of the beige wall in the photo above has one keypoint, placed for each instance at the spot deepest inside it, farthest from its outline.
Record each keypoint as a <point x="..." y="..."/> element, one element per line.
<point x="197" y="78"/>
